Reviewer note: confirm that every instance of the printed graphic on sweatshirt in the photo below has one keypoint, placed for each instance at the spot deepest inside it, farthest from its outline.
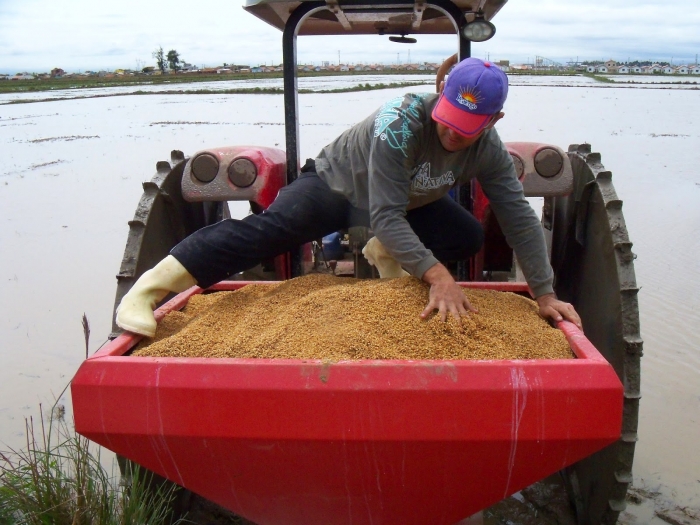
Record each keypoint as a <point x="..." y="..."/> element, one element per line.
<point x="422" y="183"/>
<point x="392" y="123"/>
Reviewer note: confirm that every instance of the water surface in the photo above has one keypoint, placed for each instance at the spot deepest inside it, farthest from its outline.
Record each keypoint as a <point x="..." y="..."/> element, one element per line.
<point x="71" y="178"/>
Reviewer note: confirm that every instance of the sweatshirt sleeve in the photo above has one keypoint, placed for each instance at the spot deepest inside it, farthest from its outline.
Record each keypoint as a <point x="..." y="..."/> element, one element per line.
<point x="517" y="219"/>
<point x="394" y="147"/>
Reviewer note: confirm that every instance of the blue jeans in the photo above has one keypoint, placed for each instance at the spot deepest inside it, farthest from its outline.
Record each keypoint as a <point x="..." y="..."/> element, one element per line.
<point x="307" y="210"/>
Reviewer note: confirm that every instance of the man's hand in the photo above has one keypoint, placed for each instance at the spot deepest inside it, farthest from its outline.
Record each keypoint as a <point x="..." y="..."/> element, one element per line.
<point x="445" y="294"/>
<point x="553" y="308"/>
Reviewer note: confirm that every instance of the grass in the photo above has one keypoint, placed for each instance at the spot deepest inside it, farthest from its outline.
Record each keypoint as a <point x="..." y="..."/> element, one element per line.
<point x="50" y="84"/>
<point x="59" y="480"/>
<point x="236" y="91"/>
<point x="600" y="78"/>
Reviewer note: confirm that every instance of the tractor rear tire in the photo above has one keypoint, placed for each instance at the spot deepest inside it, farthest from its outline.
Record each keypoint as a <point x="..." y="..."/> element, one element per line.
<point x="594" y="267"/>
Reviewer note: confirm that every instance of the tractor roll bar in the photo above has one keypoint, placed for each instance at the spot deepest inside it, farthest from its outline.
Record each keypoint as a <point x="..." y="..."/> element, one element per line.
<point x="289" y="50"/>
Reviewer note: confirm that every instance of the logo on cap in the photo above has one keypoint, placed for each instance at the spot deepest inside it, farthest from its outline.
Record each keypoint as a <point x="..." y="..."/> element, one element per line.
<point x="469" y="96"/>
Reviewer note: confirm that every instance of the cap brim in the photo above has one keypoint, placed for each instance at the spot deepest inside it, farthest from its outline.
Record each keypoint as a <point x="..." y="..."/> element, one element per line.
<point x="463" y="122"/>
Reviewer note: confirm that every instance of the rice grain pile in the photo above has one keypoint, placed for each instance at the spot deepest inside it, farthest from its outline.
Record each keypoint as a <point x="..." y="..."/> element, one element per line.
<point x="325" y="317"/>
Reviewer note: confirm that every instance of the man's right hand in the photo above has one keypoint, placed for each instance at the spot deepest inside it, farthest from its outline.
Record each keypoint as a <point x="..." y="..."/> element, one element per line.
<point x="446" y="295"/>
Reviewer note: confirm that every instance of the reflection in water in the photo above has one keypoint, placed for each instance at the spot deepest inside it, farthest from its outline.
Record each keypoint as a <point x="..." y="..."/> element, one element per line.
<point x="71" y="179"/>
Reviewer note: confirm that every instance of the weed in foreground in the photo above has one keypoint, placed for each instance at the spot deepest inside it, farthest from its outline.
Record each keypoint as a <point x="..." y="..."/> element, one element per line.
<point x="59" y="480"/>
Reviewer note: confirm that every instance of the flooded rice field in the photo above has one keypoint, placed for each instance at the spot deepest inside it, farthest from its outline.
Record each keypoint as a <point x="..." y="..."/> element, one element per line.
<point x="315" y="83"/>
<point x="328" y="83"/>
<point x="72" y="174"/>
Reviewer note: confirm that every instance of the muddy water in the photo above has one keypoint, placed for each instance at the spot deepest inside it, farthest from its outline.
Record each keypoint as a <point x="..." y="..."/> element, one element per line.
<point x="71" y="175"/>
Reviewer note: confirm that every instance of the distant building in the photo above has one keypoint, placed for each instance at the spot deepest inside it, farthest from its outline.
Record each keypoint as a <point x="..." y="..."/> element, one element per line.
<point x="57" y="72"/>
<point x="602" y="69"/>
<point x="504" y="65"/>
<point x="694" y="70"/>
<point x="682" y="70"/>
<point x="623" y="69"/>
<point x="610" y="64"/>
<point x="590" y="69"/>
<point x="668" y="70"/>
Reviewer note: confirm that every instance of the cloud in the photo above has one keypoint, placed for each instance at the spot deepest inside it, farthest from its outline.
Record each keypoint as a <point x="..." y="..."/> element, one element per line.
<point x="84" y="34"/>
<point x="567" y="28"/>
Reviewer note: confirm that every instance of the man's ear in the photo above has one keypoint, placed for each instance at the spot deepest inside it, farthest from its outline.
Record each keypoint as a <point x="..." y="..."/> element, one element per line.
<point x="442" y="87"/>
<point x="495" y="119"/>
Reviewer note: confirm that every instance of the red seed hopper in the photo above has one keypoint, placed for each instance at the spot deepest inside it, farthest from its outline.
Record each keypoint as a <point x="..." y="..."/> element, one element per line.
<point x="381" y="442"/>
<point x="364" y="442"/>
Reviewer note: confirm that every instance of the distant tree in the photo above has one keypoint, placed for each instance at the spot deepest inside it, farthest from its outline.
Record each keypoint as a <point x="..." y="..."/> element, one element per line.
<point x="160" y="58"/>
<point x="174" y="60"/>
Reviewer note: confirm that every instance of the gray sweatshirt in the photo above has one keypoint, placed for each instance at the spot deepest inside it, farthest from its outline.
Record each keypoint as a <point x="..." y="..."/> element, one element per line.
<point x="393" y="161"/>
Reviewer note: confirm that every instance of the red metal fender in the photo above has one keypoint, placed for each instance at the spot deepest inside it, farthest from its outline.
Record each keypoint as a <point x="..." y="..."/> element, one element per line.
<point x="270" y="168"/>
<point x="363" y="442"/>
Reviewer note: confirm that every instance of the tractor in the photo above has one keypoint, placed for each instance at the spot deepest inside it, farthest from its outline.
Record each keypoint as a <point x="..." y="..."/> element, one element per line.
<point x="284" y="442"/>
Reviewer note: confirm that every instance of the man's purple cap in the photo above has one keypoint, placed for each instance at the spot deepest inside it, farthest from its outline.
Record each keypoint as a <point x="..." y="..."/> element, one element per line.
<point x="475" y="91"/>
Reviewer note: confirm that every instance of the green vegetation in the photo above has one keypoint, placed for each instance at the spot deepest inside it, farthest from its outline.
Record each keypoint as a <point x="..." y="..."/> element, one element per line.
<point x="236" y="91"/>
<point x="59" y="480"/>
<point x="88" y="82"/>
<point x="366" y="87"/>
<point x="51" y="84"/>
<point x="543" y="73"/>
<point x="600" y="78"/>
<point x="160" y="58"/>
<point x="174" y="60"/>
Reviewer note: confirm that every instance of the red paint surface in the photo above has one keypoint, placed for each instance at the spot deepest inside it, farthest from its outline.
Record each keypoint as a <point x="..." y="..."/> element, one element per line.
<point x="272" y="173"/>
<point x="363" y="442"/>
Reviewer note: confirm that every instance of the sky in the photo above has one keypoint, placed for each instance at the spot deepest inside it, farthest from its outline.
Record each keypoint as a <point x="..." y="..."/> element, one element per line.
<point x="80" y="35"/>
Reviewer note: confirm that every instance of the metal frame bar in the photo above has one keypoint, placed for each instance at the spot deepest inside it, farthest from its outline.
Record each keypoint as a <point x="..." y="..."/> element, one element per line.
<point x="418" y="9"/>
<point x="339" y="14"/>
<point x="289" y="55"/>
<point x="289" y="37"/>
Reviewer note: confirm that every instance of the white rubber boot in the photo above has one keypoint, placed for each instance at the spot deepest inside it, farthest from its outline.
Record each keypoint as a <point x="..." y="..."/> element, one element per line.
<point x="377" y="256"/>
<point x="135" y="311"/>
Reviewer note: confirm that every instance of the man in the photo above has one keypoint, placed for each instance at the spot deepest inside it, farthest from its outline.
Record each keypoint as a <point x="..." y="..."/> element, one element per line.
<point x="392" y="172"/>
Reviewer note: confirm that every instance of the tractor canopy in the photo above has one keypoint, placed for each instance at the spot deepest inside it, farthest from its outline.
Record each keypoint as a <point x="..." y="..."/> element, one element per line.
<point x="373" y="18"/>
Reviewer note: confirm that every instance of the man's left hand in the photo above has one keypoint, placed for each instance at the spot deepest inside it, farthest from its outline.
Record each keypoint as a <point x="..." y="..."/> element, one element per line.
<point x="556" y="310"/>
